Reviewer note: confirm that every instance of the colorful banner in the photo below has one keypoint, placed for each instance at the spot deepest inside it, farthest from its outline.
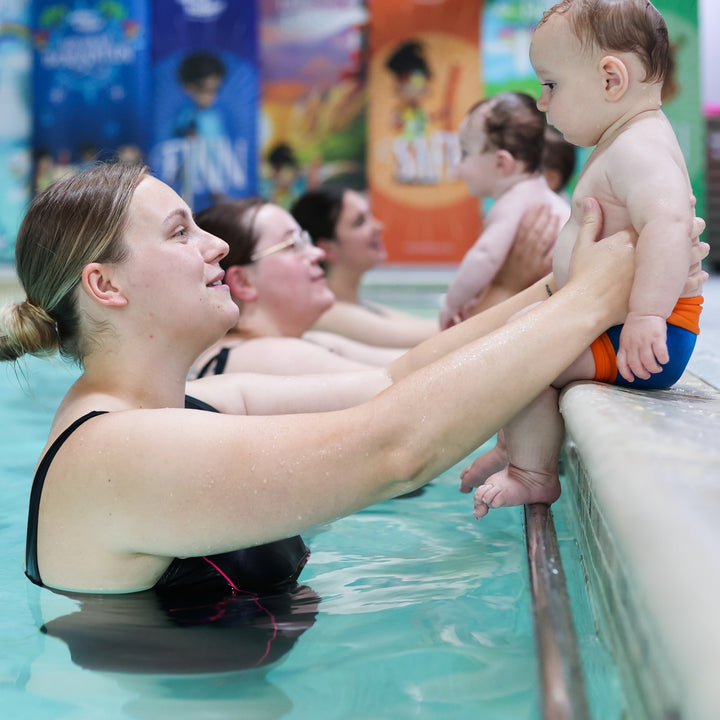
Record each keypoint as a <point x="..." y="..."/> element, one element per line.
<point x="15" y="121"/>
<point x="90" y="86"/>
<point x="683" y="102"/>
<point x="507" y="27"/>
<point x="205" y="98"/>
<point x="423" y="76"/>
<point x="313" y="108"/>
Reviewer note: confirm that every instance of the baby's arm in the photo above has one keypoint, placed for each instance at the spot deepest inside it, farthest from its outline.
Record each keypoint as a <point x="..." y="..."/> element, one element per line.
<point x="658" y="198"/>
<point x="480" y="264"/>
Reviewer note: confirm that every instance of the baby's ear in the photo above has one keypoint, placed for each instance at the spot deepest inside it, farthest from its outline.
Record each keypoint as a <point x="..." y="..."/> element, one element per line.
<point x="615" y="77"/>
<point x="505" y="163"/>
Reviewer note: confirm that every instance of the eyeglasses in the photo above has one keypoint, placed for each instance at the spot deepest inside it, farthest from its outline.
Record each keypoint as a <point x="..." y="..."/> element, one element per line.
<point x="299" y="240"/>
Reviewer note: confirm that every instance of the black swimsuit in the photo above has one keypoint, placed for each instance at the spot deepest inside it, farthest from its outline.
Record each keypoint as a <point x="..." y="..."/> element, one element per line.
<point x="219" y="360"/>
<point x="265" y="568"/>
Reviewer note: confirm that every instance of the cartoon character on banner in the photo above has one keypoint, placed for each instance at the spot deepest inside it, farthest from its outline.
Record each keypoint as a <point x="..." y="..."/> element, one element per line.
<point x="418" y="150"/>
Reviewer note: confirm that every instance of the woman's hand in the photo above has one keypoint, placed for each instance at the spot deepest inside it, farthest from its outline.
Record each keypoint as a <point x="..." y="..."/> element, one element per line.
<point x="698" y="252"/>
<point x="530" y="257"/>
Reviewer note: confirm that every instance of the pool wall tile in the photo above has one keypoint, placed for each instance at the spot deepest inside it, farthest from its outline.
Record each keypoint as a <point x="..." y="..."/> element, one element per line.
<point x="643" y="479"/>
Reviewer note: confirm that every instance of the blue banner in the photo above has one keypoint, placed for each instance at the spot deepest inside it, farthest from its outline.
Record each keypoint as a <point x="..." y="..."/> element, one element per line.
<point x="205" y="98"/>
<point x="91" y="87"/>
<point x="15" y="121"/>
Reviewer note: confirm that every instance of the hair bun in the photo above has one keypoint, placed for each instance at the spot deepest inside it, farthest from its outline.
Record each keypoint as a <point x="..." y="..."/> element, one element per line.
<point x="26" y="328"/>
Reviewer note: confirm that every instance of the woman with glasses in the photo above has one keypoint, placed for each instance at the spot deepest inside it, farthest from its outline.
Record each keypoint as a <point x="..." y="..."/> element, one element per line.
<point x="339" y="221"/>
<point x="275" y="278"/>
<point x="148" y="481"/>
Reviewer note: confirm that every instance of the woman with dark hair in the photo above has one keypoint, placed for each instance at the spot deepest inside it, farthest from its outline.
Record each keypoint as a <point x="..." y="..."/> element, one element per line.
<point x="275" y="278"/>
<point x="340" y="222"/>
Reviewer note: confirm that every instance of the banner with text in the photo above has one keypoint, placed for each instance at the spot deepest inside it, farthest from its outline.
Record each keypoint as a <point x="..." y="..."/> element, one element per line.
<point x="424" y="74"/>
<point x="15" y="121"/>
<point x="313" y="89"/>
<point x="90" y="83"/>
<point x="205" y="98"/>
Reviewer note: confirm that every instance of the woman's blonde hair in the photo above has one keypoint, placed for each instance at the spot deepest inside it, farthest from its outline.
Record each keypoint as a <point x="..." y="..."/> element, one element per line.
<point x="77" y="220"/>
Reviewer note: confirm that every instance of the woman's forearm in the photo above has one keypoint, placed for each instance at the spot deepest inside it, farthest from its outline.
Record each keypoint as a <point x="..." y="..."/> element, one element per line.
<point x="467" y="395"/>
<point x="474" y="327"/>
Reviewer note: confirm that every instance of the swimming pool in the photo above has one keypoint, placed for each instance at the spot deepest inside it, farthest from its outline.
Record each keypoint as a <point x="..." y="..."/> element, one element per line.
<point x="412" y="610"/>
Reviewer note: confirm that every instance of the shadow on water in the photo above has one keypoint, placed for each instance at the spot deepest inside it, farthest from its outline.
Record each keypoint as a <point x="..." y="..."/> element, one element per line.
<point x="149" y="632"/>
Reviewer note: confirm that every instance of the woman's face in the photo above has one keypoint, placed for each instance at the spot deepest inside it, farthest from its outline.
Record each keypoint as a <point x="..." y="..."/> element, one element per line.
<point x="358" y="236"/>
<point x="173" y="273"/>
<point x="290" y="282"/>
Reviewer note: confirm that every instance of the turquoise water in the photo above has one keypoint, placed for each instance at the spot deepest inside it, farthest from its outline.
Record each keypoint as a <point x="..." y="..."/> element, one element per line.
<point x="419" y="612"/>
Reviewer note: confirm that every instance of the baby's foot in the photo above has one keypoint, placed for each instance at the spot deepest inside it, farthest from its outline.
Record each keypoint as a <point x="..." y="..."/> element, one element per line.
<point x="514" y="486"/>
<point x="484" y="466"/>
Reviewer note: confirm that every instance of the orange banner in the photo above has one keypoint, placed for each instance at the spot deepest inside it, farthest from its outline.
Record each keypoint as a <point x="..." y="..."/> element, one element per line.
<point x="424" y="74"/>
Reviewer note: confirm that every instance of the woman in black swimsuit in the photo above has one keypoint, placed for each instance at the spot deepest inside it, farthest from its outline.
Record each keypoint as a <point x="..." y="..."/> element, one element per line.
<point x="118" y="276"/>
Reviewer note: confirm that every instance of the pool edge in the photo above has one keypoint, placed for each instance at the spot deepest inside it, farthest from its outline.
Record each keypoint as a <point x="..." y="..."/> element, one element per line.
<point x="641" y="477"/>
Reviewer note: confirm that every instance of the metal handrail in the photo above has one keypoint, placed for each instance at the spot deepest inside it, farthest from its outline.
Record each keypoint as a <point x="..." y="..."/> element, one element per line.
<point x="561" y="676"/>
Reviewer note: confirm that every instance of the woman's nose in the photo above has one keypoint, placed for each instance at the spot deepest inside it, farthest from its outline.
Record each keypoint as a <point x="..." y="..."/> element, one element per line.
<point x="317" y="253"/>
<point x="215" y="248"/>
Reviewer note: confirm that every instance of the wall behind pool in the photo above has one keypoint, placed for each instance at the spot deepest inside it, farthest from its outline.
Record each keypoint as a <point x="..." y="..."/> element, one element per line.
<point x="295" y="101"/>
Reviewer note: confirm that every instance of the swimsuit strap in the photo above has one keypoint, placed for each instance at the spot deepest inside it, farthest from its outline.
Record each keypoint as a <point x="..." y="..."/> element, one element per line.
<point x="31" y="561"/>
<point x="220" y="361"/>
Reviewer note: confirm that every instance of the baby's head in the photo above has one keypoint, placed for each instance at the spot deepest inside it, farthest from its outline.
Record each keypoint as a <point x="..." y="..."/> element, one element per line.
<point x="500" y="137"/>
<point x="591" y="54"/>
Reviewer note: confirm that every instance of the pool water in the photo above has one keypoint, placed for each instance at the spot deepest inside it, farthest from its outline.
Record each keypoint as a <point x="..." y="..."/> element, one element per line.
<point x="412" y="609"/>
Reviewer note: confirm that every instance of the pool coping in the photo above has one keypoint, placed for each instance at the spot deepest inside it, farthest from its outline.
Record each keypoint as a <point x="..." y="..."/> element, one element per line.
<point x="642" y="478"/>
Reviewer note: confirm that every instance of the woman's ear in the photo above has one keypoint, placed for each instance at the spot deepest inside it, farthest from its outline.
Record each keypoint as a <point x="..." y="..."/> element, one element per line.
<point x="99" y="283"/>
<point x="330" y="247"/>
<point x="239" y="280"/>
<point x="615" y="77"/>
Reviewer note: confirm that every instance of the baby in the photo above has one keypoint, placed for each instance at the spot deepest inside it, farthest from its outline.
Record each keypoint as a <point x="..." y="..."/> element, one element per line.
<point x="501" y="145"/>
<point x="601" y="64"/>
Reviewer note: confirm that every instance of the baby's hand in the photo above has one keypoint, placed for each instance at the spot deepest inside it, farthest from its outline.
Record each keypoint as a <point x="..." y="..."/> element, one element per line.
<point x="643" y="347"/>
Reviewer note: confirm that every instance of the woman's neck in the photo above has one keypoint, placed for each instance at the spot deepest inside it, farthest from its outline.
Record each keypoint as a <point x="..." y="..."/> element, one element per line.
<point x="254" y="322"/>
<point x="137" y="380"/>
<point x="344" y="283"/>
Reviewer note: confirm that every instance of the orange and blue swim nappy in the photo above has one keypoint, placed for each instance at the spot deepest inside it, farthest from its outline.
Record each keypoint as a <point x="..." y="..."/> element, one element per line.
<point x="683" y="327"/>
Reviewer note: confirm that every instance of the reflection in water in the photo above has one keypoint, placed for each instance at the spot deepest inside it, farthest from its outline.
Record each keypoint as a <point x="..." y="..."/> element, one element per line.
<point x="177" y="633"/>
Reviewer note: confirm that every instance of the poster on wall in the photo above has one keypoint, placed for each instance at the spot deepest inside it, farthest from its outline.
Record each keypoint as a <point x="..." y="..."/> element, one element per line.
<point x="15" y="121"/>
<point x="313" y="96"/>
<point x="424" y="74"/>
<point x="205" y="98"/>
<point x="507" y="28"/>
<point x="682" y="101"/>
<point x="90" y="89"/>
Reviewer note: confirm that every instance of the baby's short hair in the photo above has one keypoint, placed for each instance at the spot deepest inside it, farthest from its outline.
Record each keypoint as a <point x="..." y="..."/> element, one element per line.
<point x="634" y="26"/>
<point x="513" y="122"/>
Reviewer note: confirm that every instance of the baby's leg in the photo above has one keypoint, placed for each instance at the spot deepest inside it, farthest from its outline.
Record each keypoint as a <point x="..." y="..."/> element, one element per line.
<point x="484" y="465"/>
<point x="533" y="440"/>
